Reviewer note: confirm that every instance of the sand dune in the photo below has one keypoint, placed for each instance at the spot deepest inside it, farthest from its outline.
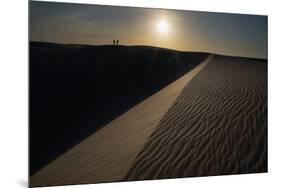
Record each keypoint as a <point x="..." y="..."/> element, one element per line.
<point x="85" y="87"/>
<point x="211" y="121"/>
<point x="107" y="155"/>
<point x="218" y="125"/>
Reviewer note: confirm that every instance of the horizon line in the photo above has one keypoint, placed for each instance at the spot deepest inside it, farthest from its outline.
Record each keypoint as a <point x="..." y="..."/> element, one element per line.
<point x="229" y="55"/>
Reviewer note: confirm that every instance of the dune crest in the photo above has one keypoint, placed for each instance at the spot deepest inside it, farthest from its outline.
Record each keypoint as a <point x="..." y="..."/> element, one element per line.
<point x="107" y="154"/>
<point x="85" y="87"/>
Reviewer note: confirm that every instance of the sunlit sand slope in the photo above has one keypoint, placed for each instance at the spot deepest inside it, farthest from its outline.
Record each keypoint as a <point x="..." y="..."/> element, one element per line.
<point x="218" y="125"/>
<point x="107" y="155"/>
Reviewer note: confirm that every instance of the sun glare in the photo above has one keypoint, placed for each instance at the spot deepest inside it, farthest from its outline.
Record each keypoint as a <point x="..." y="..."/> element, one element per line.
<point x="162" y="27"/>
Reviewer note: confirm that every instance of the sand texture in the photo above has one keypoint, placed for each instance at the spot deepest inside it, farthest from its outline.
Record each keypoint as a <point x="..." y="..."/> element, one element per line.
<point x="108" y="154"/>
<point x="211" y="121"/>
<point x="76" y="90"/>
<point x="218" y="125"/>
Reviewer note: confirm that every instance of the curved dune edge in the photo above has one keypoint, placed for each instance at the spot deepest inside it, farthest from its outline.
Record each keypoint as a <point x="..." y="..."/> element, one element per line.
<point x="107" y="155"/>
<point x="217" y="126"/>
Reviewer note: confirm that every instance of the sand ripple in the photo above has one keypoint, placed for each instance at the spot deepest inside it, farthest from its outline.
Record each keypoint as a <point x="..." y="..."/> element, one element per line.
<point x="218" y="125"/>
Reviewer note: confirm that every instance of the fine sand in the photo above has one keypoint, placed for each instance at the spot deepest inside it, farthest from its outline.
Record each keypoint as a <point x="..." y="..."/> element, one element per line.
<point x="211" y="121"/>
<point x="218" y="125"/>
<point x="107" y="155"/>
<point x="77" y="89"/>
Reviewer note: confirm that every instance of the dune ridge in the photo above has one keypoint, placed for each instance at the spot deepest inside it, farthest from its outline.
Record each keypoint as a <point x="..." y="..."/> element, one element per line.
<point x="217" y="125"/>
<point x="85" y="87"/>
<point x="107" y="154"/>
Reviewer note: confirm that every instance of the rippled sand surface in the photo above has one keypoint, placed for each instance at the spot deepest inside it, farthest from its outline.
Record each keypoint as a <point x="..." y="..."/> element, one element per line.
<point x="211" y="121"/>
<point x="218" y="125"/>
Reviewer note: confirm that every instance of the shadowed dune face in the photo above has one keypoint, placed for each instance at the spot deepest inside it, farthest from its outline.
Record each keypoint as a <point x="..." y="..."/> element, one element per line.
<point x="76" y="89"/>
<point x="217" y="125"/>
<point x="107" y="154"/>
<point x="211" y="121"/>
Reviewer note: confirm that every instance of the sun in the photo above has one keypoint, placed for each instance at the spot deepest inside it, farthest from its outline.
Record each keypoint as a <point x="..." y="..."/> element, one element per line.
<point x="162" y="27"/>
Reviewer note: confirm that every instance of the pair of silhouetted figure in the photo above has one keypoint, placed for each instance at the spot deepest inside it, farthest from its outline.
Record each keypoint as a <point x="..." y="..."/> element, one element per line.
<point x="115" y="41"/>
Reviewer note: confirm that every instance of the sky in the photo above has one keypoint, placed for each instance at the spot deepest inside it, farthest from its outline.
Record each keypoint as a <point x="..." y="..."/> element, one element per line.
<point x="220" y="33"/>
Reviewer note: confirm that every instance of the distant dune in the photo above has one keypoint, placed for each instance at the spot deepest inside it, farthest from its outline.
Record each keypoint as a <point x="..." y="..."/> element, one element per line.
<point x="211" y="121"/>
<point x="77" y="89"/>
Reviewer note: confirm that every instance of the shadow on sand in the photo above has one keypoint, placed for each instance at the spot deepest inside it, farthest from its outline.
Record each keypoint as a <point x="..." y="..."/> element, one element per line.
<point x="77" y="89"/>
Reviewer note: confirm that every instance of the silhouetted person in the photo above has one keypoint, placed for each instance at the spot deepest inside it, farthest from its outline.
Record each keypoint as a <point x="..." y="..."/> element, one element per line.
<point x="117" y="41"/>
<point x="113" y="41"/>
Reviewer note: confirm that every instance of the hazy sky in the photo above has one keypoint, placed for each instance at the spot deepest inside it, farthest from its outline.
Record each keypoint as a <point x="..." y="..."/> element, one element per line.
<point x="229" y="34"/>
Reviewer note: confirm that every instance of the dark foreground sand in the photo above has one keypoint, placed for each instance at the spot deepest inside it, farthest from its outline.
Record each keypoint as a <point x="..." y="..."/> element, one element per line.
<point x="77" y="89"/>
<point x="212" y="124"/>
<point x="107" y="155"/>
